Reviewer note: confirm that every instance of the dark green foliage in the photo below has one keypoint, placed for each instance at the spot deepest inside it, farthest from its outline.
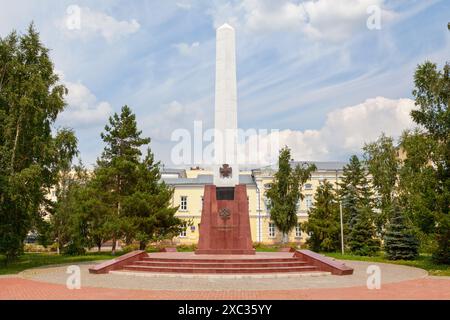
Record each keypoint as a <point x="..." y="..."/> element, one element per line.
<point x="323" y="221"/>
<point x="285" y="192"/>
<point x="400" y="241"/>
<point x="383" y="164"/>
<point x="362" y="239"/>
<point x="128" y="194"/>
<point x="354" y="190"/>
<point x="30" y="156"/>
<point x="432" y="95"/>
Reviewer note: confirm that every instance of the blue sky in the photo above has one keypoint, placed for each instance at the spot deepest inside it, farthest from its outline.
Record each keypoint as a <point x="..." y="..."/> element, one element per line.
<point x="311" y="69"/>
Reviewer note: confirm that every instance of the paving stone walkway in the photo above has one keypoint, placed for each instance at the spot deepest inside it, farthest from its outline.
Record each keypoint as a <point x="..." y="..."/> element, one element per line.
<point x="398" y="282"/>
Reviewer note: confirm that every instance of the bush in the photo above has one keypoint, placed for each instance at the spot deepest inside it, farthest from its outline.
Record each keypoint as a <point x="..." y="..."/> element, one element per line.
<point x="130" y="247"/>
<point x="73" y="249"/>
<point x="186" y="247"/>
<point x="36" y="248"/>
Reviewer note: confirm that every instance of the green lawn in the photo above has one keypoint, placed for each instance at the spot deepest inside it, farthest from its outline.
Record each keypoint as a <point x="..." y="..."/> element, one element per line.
<point x="423" y="262"/>
<point x="33" y="260"/>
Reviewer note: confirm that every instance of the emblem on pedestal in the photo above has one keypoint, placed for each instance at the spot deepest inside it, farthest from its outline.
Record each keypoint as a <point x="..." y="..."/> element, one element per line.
<point x="226" y="171"/>
<point x="225" y="213"/>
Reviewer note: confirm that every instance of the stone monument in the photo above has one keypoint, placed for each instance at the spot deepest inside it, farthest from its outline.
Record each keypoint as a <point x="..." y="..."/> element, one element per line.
<point x="225" y="223"/>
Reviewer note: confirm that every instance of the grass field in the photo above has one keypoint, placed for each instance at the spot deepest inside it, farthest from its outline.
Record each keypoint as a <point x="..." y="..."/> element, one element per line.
<point x="423" y="262"/>
<point x="33" y="260"/>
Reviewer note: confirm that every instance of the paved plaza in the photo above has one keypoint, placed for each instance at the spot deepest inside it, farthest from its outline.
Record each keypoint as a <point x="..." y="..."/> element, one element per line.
<point x="397" y="282"/>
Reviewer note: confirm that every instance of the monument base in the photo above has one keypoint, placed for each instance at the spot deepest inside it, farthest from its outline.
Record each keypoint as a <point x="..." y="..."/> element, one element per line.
<point x="225" y="222"/>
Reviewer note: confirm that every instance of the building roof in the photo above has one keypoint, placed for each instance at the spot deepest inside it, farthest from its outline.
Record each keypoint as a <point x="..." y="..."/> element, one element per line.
<point x="181" y="173"/>
<point x="204" y="179"/>
<point x="323" y="165"/>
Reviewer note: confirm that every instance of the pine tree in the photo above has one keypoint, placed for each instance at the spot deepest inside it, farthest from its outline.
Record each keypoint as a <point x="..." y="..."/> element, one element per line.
<point x="354" y="191"/>
<point x="136" y="204"/>
<point x="285" y="192"/>
<point x="148" y="209"/>
<point x="116" y="169"/>
<point x="400" y="242"/>
<point x="323" y="220"/>
<point x="362" y="238"/>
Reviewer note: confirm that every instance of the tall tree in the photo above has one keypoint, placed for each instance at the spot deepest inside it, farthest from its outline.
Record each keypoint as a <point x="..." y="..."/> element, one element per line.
<point x="148" y="208"/>
<point x="400" y="241"/>
<point x="432" y="96"/>
<point x="117" y="166"/>
<point x="354" y="190"/>
<point x="285" y="192"/>
<point x="139" y="204"/>
<point x="362" y="238"/>
<point x="383" y="164"/>
<point x="323" y="220"/>
<point x="31" y="98"/>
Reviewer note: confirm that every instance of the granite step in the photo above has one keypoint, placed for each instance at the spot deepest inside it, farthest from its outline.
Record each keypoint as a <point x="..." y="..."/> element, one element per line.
<point x="203" y="264"/>
<point x="134" y="267"/>
<point x="232" y="260"/>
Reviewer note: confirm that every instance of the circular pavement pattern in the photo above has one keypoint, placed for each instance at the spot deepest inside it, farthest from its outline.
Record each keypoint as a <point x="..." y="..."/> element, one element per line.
<point x="390" y="273"/>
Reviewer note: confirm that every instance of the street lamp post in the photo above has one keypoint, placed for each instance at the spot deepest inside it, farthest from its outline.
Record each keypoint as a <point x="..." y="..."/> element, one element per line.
<point x="342" y="228"/>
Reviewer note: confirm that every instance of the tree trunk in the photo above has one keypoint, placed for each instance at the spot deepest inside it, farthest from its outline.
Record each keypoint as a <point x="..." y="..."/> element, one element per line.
<point x="142" y="245"/>
<point x="284" y="238"/>
<point x="16" y="140"/>
<point x="113" y="249"/>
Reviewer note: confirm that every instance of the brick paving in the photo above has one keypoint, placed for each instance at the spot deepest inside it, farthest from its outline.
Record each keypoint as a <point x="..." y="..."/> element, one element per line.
<point x="15" y="288"/>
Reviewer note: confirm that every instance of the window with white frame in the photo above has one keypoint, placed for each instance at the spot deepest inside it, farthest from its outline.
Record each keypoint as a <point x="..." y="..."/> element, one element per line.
<point x="268" y="204"/>
<point x="272" y="230"/>
<point x="183" y="233"/>
<point x="298" y="231"/>
<point x="308" y="201"/>
<point x="308" y="186"/>
<point x="183" y="203"/>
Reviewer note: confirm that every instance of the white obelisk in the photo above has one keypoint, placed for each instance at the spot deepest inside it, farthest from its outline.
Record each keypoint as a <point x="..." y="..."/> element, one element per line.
<point x="225" y="142"/>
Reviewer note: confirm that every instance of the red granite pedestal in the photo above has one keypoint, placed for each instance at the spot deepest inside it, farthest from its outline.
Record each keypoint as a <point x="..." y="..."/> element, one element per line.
<point x="225" y="222"/>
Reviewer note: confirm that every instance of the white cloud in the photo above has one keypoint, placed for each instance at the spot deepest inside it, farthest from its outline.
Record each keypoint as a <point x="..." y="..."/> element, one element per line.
<point x="186" y="48"/>
<point x="93" y="23"/>
<point x="346" y="130"/>
<point x="330" y="20"/>
<point x="83" y="109"/>
<point x="184" y="5"/>
<point x="174" y="115"/>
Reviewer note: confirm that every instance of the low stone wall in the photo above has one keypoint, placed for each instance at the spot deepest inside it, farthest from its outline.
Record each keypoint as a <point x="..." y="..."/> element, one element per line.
<point x="118" y="262"/>
<point x="324" y="263"/>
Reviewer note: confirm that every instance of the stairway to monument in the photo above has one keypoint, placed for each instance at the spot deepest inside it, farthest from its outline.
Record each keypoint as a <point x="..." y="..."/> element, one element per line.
<point x="214" y="266"/>
<point x="172" y="262"/>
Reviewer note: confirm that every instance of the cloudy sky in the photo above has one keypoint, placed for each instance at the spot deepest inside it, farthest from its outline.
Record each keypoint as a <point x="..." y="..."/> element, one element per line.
<point x="311" y="68"/>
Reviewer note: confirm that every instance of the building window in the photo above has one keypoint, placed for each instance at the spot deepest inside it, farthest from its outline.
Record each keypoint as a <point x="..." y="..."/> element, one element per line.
<point x="183" y="233"/>
<point x="308" y="201"/>
<point x="308" y="186"/>
<point x="298" y="231"/>
<point x="268" y="204"/>
<point x="271" y="230"/>
<point x="183" y="203"/>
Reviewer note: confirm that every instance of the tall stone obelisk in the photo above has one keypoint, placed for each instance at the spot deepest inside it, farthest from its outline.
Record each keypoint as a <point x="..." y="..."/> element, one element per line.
<point x="226" y="169"/>
<point x="225" y="224"/>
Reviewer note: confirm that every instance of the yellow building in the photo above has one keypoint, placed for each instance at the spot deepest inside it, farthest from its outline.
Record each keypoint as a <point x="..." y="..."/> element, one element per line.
<point x="188" y="195"/>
